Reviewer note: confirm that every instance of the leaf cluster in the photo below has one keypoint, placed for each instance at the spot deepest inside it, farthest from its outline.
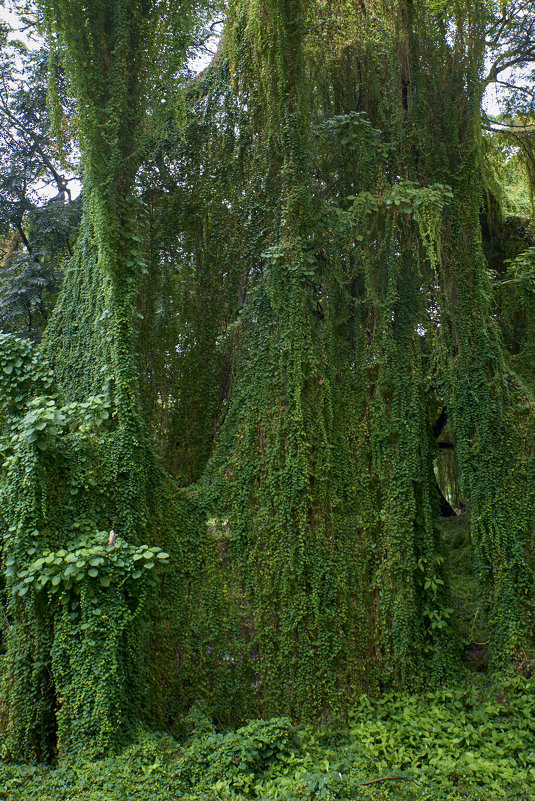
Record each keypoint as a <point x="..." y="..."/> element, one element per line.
<point x="94" y="563"/>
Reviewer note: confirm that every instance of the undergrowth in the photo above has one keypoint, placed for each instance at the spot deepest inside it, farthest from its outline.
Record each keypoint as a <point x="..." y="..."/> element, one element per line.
<point x="449" y="745"/>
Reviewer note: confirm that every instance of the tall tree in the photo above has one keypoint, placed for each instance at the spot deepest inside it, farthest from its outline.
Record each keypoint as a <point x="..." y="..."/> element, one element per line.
<point x="370" y="322"/>
<point x="71" y="678"/>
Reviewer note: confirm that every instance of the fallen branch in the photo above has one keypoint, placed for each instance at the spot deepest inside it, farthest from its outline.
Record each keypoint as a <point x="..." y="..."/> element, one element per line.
<point x="391" y="779"/>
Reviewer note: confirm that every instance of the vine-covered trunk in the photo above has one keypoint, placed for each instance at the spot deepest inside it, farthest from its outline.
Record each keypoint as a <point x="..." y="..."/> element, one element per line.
<point x="97" y="479"/>
<point x="372" y="318"/>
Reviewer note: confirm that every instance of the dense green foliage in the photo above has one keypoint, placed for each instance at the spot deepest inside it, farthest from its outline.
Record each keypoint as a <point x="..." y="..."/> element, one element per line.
<point x="295" y="331"/>
<point x="444" y="746"/>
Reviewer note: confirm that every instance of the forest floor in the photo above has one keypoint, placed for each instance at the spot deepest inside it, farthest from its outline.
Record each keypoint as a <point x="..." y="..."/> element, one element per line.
<point x="473" y="744"/>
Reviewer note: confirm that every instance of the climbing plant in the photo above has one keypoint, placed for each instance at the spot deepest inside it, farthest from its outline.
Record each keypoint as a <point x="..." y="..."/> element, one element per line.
<point x="369" y="321"/>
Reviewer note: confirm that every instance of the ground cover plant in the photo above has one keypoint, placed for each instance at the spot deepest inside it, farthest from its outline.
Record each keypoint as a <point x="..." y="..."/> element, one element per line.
<point x="444" y="745"/>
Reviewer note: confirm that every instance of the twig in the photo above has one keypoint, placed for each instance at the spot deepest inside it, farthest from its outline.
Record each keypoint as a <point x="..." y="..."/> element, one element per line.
<point x="391" y="779"/>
